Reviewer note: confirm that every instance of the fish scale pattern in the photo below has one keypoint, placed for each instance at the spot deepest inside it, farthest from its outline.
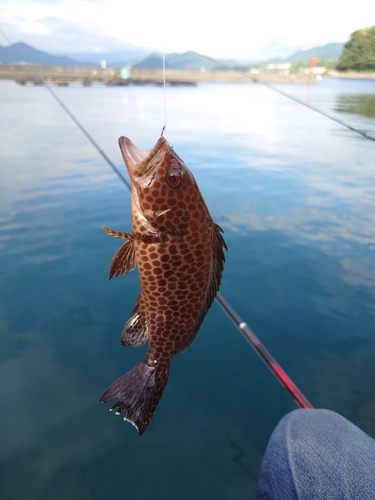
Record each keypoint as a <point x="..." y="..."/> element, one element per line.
<point x="179" y="252"/>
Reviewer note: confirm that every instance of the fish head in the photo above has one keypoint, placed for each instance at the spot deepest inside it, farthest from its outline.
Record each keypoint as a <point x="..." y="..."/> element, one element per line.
<point x="164" y="189"/>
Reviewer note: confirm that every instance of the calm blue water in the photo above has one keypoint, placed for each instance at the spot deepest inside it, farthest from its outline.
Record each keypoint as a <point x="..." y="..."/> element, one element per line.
<point x="295" y="194"/>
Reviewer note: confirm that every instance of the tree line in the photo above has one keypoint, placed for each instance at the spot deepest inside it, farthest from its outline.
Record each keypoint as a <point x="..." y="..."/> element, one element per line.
<point x="359" y="52"/>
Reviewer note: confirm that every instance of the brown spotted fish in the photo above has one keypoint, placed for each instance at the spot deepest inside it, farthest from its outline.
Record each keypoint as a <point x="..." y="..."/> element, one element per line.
<point x="179" y="252"/>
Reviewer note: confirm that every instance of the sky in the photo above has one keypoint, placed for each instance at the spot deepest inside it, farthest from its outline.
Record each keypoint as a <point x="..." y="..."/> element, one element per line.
<point x="238" y="29"/>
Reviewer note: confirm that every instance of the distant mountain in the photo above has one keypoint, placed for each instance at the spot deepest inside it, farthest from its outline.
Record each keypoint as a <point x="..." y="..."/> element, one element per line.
<point x="189" y="60"/>
<point x="194" y="61"/>
<point x="329" y="51"/>
<point x="23" y="53"/>
<point x="130" y="55"/>
<point x="152" y="61"/>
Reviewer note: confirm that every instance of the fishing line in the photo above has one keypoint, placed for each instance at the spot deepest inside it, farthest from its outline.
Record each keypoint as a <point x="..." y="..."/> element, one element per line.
<point x="165" y="95"/>
<point x="268" y="359"/>
<point x="255" y="80"/>
<point x="72" y="116"/>
<point x="89" y="137"/>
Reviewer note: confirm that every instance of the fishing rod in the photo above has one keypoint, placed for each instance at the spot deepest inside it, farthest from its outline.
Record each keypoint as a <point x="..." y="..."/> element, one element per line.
<point x="250" y="336"/>
<point x="264" y="354"/>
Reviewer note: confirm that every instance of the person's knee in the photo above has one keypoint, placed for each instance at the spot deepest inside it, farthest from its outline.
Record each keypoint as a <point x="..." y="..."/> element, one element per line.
<point x="309" y="421"/>
<point x="316" y="450"/>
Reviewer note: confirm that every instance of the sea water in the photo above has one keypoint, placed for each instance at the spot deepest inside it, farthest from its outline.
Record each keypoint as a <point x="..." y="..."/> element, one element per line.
<point x="295" y="195"/>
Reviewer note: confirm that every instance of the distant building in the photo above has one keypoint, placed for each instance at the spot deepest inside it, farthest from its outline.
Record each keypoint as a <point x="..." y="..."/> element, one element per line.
<point x="318" y="70"/>
<point x="279" y="66"/>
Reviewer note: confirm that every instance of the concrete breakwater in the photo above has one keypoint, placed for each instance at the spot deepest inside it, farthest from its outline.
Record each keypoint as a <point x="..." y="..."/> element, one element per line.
<point x="63" y="75"/>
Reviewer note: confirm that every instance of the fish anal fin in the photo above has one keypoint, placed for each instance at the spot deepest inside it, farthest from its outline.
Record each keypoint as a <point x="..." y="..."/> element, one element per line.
<point x="123" y="260"/>
<point x="135" y="332"/>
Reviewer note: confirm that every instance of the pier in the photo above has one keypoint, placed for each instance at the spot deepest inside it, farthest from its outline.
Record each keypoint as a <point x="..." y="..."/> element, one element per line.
<point x="64" y="75"/>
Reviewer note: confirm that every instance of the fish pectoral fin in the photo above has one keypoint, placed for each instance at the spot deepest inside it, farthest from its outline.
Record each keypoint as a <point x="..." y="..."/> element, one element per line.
<point x="123" y="260"/>
<point x="135" y="332"/>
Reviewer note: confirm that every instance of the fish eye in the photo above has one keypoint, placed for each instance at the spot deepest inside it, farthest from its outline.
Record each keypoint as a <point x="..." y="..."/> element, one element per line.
<point x="174" y="178"/>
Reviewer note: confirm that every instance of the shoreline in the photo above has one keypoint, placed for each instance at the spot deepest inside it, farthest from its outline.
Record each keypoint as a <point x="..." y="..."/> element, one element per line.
<point x="350" y="75"/>
<point x="88" y="75"/>
<point x="64" y="75"/>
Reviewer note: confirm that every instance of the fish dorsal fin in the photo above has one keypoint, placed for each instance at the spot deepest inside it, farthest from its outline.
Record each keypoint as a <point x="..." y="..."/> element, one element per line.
<point x="123" y="260"/>
<point x="218" y="258"/>
<point x="135" y="332"/>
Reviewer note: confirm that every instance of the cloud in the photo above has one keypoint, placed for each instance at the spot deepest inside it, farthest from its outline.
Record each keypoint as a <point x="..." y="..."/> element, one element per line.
<point x="276" y="47"/>
<point x="60" y="36"/>
<point x="46" y="2"/>
<point x="209" y="27"/>
<point x="82" y="38"/>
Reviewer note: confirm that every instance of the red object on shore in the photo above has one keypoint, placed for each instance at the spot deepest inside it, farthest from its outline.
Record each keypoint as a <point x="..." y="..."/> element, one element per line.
<point x="313" y="62"/>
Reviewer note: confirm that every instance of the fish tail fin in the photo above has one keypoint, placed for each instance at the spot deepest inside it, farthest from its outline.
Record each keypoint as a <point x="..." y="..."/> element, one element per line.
<point x="138" y="393"/>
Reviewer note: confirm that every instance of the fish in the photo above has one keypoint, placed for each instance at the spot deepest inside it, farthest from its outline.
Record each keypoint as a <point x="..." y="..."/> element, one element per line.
<point x="179" y="251"/>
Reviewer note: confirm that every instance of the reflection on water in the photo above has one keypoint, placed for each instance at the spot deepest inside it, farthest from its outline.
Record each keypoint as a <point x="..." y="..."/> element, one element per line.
<point x="360" y="104"/>
<point x="308" y="225"/>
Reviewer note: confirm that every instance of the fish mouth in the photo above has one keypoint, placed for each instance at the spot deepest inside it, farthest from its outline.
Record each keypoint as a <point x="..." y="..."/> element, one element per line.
<point x="138" y="162"/>
<point x="131" y="154"/>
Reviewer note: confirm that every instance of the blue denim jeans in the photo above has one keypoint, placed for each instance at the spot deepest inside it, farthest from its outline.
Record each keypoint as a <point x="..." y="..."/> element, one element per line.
<point x="317" y="454"/>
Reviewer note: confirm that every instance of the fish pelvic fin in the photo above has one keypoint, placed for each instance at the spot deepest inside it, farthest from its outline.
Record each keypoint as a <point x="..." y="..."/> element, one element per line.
<point x="138" y="393"/>
<point x="123" y="260"/>
<point x="117" y="234"/>
<point x="135" y="332"/>
<point x="152" y="237"/>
